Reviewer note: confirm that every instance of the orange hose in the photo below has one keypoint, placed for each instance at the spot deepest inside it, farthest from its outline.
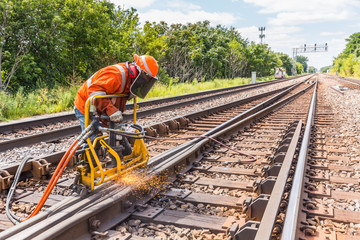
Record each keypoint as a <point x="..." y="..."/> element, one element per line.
<point x="59" y="169"/>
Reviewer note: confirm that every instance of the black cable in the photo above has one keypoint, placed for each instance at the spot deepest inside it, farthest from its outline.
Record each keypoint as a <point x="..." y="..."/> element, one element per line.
<point x="13" y="218"/>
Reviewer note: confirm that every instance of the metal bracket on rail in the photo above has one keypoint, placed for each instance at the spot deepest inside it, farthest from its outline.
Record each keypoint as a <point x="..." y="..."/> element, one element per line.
<point x="257" y="207"/>
<point x="5" y="179"/>
<point x="263" y="208"/>
<point x="39" y="168"/>
<point x="246" y="231"/>
<point x="273" y="170"/>
<point x="267" y="185"/>
<point x="150" y="131"/>
<point x="162" y="129"/>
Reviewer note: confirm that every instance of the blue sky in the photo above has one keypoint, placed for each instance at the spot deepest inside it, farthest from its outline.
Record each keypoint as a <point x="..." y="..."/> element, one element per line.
<point x="289" y="23"/>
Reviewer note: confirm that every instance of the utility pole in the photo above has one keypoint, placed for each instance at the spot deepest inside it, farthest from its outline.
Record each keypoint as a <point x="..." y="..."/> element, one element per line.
<point x="262" y="35"/>
<point x="307" y="49"/>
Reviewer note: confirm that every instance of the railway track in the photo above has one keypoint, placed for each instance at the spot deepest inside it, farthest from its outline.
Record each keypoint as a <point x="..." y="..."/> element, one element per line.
<point x="202" y="96"/>
<point x="62" y="130"/>
<point x="160" y="160"/>
<point x="62" y="139"/>
<point x="304" y="183"/>
<point x="328" y="204"/>
<point x="153" y="130"/>
<point x="348" y="82"/>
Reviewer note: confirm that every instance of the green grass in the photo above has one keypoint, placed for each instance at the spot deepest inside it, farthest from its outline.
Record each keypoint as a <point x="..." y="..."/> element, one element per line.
<point x="41" y="101"/>
<point x="161" y="90"/>
<point x="58" y="99"/>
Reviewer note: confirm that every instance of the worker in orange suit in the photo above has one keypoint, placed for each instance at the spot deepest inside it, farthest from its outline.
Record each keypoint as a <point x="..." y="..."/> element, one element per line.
<point x="135" y="79"/>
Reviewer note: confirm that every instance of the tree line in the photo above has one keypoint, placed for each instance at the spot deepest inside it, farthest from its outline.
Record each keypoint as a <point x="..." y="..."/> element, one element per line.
<point x="347" y="63"/>
<point x="44" y="43"/>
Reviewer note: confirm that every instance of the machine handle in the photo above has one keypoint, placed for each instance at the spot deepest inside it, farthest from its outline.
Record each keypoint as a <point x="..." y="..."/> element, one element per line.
<point x="105" y="117"/>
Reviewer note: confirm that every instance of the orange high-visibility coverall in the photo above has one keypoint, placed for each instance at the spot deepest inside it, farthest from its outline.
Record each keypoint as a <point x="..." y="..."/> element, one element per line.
<point x="109" y="80"/>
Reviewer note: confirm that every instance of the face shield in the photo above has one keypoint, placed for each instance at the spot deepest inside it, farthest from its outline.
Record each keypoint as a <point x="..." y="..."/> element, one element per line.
<point x="142" y="83"/>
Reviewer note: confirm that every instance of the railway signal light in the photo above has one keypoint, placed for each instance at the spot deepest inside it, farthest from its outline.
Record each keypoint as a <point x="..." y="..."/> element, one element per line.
<point x="311" y="49"/>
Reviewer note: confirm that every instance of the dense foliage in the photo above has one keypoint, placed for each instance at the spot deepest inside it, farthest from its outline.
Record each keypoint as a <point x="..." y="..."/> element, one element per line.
<point x="303" y="61"/>
<point x="325" y="69"/>
<point x="312" y="69"/>
<point x="299" y="68"/>
<point x="47" y="43"/>
<point x="347" y="63"/>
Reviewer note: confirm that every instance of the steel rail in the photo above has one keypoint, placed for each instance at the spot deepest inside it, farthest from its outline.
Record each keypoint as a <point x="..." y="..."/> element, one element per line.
<point x="243" y="116"/>
<point x="357" y="83"/>
<point x="69" y="131"/>
<point x="272" y="208"/>
<point x="179" y="162"/>
<point x="294" y="207"/>
<point x="54" y="158"/>
<point x="109" y="210"/>
<point x="237" y="126"/>
<point x="9" y="127"/>
<point x="42" y="137"/>
<point x="351" y="80"/>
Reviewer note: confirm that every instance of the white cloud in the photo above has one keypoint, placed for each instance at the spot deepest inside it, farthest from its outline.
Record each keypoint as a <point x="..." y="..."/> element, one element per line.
<point x="296" y="12"/>
<point x="251" y="33"/>
<point x="319" y="60"/>
<point x="331" y="33"/>
<point x="275" y="6"/>
<point x="178" y="4"/>
<point x="277" y="37"/>
<point x="135" y="4"/>
<point x="176" y="16"/>
<point x="176" y="11"/>
<point x="297" y="18"/>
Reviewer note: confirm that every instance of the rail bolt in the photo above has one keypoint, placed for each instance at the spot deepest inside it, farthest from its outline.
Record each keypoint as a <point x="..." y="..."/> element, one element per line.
<point x="277" y="229"/>
<point x="310" y="205"/>
<point x="288" y="186"/>
<point x="283" y="205"/>
<point x="310" y="187"/>
<point x="309" y="231"/>
<point x="94" y="224"/>
<point x="311" y="173"/>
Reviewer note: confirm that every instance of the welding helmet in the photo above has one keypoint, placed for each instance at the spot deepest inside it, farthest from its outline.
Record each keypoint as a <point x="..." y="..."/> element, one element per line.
<point x="147" y="68"/>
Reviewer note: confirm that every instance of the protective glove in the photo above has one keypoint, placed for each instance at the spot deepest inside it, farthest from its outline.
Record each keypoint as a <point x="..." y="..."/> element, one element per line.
<point x="116" y="117"/>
